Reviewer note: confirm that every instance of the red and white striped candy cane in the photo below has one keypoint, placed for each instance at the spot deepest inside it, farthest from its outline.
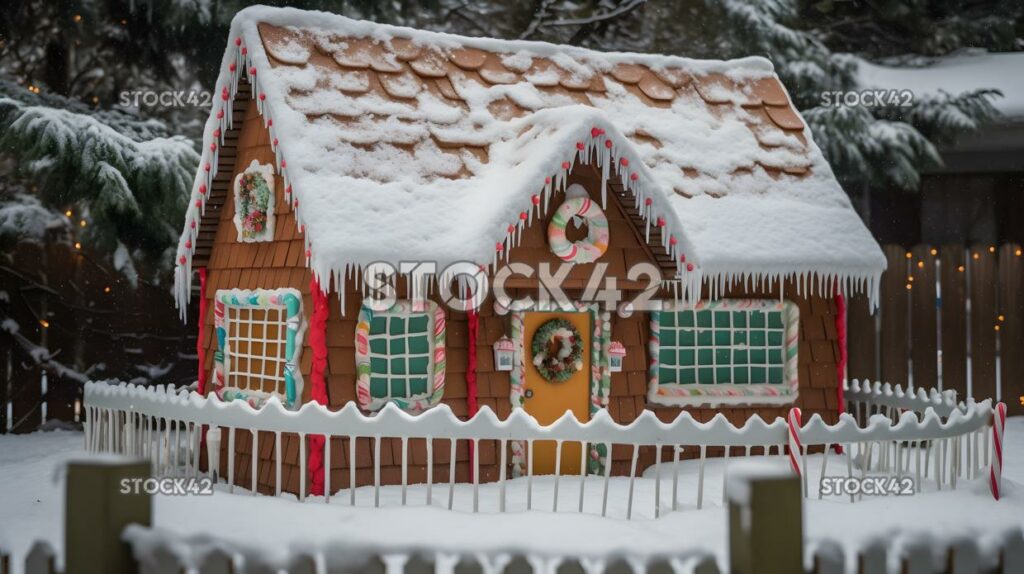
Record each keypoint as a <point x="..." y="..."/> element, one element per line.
<point x="795" y="447"/>
<point x="996" y="470"/>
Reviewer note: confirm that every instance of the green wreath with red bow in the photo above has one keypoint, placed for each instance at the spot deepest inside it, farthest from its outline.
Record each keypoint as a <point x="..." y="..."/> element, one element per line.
<point x="557" y="350"/>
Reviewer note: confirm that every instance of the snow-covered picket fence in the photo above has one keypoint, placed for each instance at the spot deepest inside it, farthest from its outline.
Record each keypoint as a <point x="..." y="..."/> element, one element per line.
<point x="932" y="436"/>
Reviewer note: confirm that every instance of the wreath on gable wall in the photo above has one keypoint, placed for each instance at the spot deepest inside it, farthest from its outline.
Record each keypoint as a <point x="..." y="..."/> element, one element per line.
<point x="557" y="350"/>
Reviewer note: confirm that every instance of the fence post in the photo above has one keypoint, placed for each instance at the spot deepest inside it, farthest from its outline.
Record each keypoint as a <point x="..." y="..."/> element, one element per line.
<point x="765" y="519"/>
<point x="97" y="511"/>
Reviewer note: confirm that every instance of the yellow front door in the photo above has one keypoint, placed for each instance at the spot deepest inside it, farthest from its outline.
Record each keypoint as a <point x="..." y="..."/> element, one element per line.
<point x="547" y="401"/>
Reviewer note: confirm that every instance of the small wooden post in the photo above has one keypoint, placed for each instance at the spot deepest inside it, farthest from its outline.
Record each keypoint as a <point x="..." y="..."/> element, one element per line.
<point x="97" y="509"/>
<point x="765" y="519"/>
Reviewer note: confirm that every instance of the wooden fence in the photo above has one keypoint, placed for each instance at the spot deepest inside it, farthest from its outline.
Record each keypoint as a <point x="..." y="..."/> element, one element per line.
<point x="950" y="317"/>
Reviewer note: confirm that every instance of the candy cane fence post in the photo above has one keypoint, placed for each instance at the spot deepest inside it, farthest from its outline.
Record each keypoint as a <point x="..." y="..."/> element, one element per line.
<point x="996" y="470"/>
<point x="796" y="449"/>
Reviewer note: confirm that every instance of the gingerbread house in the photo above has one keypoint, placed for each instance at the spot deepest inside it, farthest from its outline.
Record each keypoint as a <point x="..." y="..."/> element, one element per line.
<point x="722" y="243"/>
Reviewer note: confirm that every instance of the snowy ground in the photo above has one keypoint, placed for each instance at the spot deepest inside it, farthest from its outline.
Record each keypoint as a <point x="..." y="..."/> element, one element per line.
<point x="31" y="509"/>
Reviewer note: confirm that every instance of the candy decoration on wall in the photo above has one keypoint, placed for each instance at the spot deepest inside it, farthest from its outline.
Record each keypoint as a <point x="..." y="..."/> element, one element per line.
<point x="796" y="449"/>
<point x="995" y="477"/>
<point x="254" y="203"/>
<point x="583" y="251"/>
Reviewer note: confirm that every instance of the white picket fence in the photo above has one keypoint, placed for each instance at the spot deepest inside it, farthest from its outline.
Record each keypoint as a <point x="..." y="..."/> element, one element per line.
<point x="933" y="437"/>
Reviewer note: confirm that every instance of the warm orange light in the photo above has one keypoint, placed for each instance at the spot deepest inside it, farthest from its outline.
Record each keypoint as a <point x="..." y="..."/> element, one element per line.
<point x="106" y="289"/>
<point x="909" y="286"/>
<point x="77" y="17"/>
<point x="1002" y="318"/>
<point x="909" y="255"/>
<point x="1017" y="253"/>
<point x="997" y="327"/>
<point x="960" y="269"/>
<point x="992" y="249"/>
<point x="910" y="278"/>
<point x="920" y="264"/>
<point x="1021" y="400"/>
<point x="975" y="255"/>
<point x="82" y="223"/>
<point x="934" y="251"/>
<point x="78" y="245"/>
<point x="67" y="213"/>
<point x="44" y="323"/>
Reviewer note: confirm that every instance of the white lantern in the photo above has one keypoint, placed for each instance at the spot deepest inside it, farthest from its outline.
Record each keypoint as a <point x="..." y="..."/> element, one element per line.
<point x="504" y="353"/>
<point x="616" y="352"/>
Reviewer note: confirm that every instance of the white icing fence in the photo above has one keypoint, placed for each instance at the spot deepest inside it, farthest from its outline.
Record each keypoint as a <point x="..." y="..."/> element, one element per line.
<point x="934" y="437"/>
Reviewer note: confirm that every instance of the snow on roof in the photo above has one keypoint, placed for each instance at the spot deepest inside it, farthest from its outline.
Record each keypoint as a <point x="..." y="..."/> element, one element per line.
<point x="957" y="74"/>
<point x="401" y="144"/>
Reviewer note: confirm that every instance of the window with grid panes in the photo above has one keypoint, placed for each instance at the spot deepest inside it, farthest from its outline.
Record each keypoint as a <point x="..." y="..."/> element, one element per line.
<point x="722" y="346"/>
<point x="400" y="355"/>
<point x="255" y="349"/>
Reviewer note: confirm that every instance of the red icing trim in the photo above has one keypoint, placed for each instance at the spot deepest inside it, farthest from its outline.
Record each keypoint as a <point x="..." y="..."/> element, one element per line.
<point x="841" y="366"/>
<point x="318" y="385"/>
<point x="471" y="390"/>
<point x="200" y="348"/>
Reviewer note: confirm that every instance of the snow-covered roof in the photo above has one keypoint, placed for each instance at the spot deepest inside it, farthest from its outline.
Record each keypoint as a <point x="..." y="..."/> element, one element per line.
<point x="956" y="74"/>
<point x="400" y="144"/>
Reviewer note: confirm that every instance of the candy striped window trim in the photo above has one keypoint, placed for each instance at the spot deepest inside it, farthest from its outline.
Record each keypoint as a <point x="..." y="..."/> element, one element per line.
<point x="689" y="394"/>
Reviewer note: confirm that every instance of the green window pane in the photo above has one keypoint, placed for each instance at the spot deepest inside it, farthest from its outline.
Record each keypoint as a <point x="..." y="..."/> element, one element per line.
<point x="757" y="319"/>
<point x="419" y="344"/>
<point x="775" y="338"/>
<point x="666" y="376"/>
<point x="775" y="356"/>
<point x="705" y="338"/>
<point x="739" y="319"/>
<point x="757" y="357"/>
<point x="739" y="338"/>
<point x="378" y="387"/>
<point x="687" y="337"/>
<point x="418" y="365"/>
<point x="668" y="337"/>
<point x="397" y="346"/>
<point x="684" y="318"/>
<point x="724" y="374"/>
<point x="378" y="345"/>
<point x="722" y="338"/>
<point x="396" y="325"/>
<point x="775" y="320"/>
<point x="740" y="376"/>
<point x="775" y="375"/>
<point x="757" y="339"/>
<point x="687" y="376"/>
<point x="758" y="375"/>
<point x="703" y="318"/>
<point x="666" y="318"/>
<point x="418" y="324"/>
<point x="397" y="366"/>
<point x="667" y="356"/>
<point x="687" y="357"/>
<point x="722" y="318"/>
<point x="379" y="365"/>
<point x="740" y="357"/>
<point x="398" y="388"/>
<point x="722" y="356"/>
<point x="418" y="386"/>
<point x="378" y="325"/>
<point x="706" y="376"/>
<point x="704" y="357"/>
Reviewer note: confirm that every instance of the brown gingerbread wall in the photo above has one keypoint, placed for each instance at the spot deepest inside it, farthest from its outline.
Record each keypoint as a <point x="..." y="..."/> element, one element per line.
<point x="281" y="263"/>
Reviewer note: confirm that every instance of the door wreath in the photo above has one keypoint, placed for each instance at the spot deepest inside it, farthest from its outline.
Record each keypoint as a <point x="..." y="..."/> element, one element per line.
<point x="583" y="251"/>
<point x="557" y="350"/>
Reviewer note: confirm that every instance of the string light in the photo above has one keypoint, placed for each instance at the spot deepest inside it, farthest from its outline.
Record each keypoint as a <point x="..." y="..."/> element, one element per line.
<point x="934" y="251"/>
<point x="920" y="264"/>
<point x="909" y="255"/>
<point x="1017" y="253"/>
<point x="960" y="269"/>
<point x="78" y="245"/>
<point x="67" y="213"/>
<point x="44" y="323"/>
<point x="992" y="249"/>
<point x="910" y="278"/>
<point x="997" y="327"/>
<point x="106" y="289"/>
<point x="1001" y="318"/>
<point x="909" y="286"/>
<point x="81" y="223"/>
<point x="77" y="17"/>
<point x="976" y="256"/>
